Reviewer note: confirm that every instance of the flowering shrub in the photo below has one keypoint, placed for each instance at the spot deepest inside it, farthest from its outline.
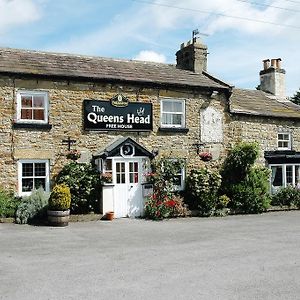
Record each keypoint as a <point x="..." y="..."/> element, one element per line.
<point x="202" y="188"/>
<point x="106" y="177"/>
<point x="73" y="154"/>
<point x="205" y="156"/>
<point x="164" y="202"/>
<point x="157" y="208"/>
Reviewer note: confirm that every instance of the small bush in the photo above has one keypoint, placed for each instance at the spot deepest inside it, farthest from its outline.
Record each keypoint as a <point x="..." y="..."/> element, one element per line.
<point x="287" y="196"/>
<point x="60" y="198"/>
<point x="84" y="183"/>
<point x="252" y="194"/>
<point x="202" y="190"/>
<point x="8" y="204"/>
<point x="246" y="186"/>
<point x="32" y="207"/>
<point x="157" y="208"/>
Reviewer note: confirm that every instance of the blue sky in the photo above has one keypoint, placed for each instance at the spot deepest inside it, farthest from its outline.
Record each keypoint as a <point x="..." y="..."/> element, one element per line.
<point x="154" y="30"/>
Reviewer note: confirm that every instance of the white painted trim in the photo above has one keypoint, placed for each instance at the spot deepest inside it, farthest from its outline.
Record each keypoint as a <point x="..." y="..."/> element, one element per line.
<point x="289" y="147"/>
<point x="47" y="177"/>
<point x="166" y="99"/>
<point x="45" y="94"/>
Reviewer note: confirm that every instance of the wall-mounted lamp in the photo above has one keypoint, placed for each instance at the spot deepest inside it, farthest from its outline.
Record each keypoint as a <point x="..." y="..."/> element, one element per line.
<point x="155" y="151"/>
<point x="199" y="146"/>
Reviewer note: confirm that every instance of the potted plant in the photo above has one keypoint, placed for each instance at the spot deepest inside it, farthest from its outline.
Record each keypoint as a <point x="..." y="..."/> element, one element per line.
<point x="205" y="156"/>
<point x="59" y="205"/>
<point x="106" y="177"/>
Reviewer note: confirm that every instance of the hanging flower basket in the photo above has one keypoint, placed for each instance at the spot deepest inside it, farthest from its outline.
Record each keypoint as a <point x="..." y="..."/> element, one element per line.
<point x="205" y="156"/>
<point x="73" y="154"/>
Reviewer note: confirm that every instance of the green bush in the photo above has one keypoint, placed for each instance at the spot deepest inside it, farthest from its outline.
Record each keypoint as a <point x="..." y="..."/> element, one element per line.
<point x="246" y="186"/>
<point x="287" y="196"/>
<point x="8" y="204"/>
<point x="202" y="187"/>
<point x="32" y="207"/>
<point x="60" y="197"/>
<point x="84" y="183"/>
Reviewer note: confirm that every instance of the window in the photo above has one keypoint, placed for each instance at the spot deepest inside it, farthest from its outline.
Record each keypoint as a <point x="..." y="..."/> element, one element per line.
<point x="172" y="113"/>
<point x="284" y="141"/>
<point x="284" y="175"/>
<point x="33" y="174"/>
<point x="179" y="177"/>
<point x="32" y="107"/>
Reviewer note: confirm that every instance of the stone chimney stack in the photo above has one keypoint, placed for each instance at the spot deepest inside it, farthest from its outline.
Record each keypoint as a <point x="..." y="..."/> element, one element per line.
<point x="192" y="56"/>
<point x="272" y="78"/>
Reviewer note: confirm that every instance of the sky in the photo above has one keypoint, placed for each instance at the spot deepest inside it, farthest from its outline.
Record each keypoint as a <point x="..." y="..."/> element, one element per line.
<point x="239" y="33"/>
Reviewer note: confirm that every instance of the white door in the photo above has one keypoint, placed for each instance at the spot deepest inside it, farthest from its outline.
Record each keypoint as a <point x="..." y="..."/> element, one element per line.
<point x="128" y="198"/>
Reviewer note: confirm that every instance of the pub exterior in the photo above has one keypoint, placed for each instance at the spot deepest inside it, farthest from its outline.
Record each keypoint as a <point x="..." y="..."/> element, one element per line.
<point x="121" y="114"/>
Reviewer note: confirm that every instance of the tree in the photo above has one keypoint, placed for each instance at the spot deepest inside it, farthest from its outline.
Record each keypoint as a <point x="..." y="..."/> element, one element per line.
<point x="296" y="98"/>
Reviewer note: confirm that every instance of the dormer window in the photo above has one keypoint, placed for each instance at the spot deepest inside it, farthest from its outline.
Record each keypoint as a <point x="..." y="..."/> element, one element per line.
<point x="284" y="141"/>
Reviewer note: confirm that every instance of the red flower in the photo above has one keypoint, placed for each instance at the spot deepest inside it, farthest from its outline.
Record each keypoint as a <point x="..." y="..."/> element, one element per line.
<point x="170" y="203"/>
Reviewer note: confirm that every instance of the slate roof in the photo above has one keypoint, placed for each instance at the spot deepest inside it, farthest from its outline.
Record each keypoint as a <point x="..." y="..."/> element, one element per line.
<point x="36" y="63"/>
<point x="256" y="102"/>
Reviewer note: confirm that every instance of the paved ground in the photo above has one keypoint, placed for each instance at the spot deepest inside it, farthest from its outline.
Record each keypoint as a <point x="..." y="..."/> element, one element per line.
<point x="237" y="257"/>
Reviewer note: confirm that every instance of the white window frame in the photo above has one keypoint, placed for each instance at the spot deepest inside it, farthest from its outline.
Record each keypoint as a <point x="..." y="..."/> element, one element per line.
<point x="182" y="101"/>
<point x="289" y="147"/>
<point x="47" y="177"/>
<point x="44" y="94"/>
<point x="178" y="188"/>
<point x="284" y="180"/>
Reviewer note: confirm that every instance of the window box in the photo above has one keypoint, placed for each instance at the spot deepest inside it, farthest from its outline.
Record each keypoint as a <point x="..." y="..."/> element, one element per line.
<point x="173" y="129"/>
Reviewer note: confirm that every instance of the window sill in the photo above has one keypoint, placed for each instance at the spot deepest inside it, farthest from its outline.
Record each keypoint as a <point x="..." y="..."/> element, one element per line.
<point x="32" y="126"/>
<point x="173" y="129"/>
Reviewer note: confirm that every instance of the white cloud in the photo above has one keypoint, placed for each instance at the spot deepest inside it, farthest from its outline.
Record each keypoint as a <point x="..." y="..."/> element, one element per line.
<point x="147" y="55"/>
<point x="17" y="12"/>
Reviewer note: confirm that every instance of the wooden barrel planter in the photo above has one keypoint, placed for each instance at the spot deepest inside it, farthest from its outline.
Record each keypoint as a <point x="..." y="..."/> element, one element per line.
<point x="59" y="218"/>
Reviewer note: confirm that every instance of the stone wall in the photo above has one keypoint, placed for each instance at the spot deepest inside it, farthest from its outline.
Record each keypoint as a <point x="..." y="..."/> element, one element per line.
<point x="66" y="118"/>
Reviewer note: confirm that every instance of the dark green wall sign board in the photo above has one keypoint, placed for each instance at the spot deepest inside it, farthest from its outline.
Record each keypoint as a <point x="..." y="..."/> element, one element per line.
<point x="117" y="114"/>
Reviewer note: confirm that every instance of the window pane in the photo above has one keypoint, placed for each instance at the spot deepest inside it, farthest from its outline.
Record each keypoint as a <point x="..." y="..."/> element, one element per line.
<point x="38" y="101"/>
<point x="123" y="178"/>
<point x="167" y="106"/>
<point x="40" y="182"/>
<point x="26" y="101"/>
<point x="177" y="119"/>
<point x="277" y="176"/>
<point x="177" y="107"/>
<point x="40" y="169"/>
<point x="136" y="167"/>
<point x="38" y="114"/>
<point x="108" y="165"/>
<point x="26" y="114"/>
<point x="280" y="136"/>
<point x="286" y="137"/>
<point x="297" y="177"/>
<point x="167" y="119"/>
<point x="289" y="174"/>
<point x="27" y="169"/>
<point x="27" y="184"/>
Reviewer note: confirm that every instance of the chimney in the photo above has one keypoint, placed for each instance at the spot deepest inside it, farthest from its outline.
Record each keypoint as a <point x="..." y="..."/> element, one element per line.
<point x="192" y="56"/>
<point x="272" y="78"/>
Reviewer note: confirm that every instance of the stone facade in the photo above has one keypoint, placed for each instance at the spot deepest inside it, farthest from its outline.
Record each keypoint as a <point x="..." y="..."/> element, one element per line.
<point x="66" y="117"/>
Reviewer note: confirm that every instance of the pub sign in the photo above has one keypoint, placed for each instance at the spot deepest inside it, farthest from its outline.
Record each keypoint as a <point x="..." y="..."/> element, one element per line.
<point x="117" y="114"/>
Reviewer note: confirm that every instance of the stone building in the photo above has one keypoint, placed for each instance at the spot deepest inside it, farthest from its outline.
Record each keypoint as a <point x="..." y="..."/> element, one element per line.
<point x="122" y="113"/>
